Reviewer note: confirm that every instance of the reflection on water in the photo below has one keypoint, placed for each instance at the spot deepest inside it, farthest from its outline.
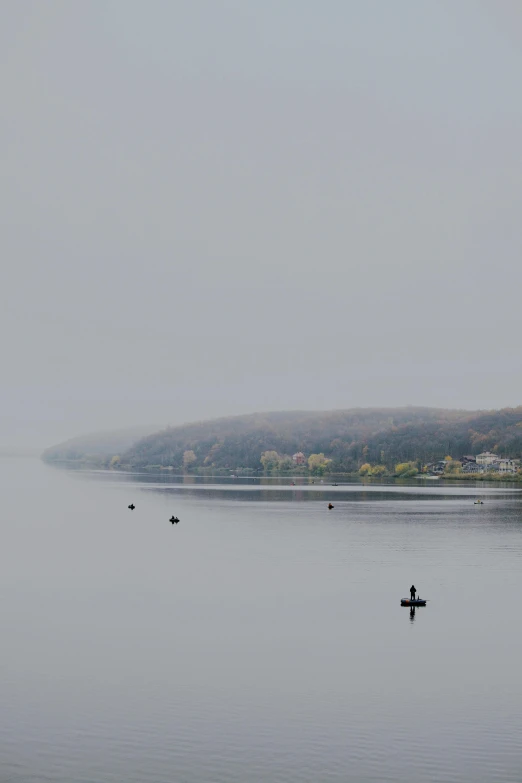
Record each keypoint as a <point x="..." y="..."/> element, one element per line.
<point x="262" y="639"/>
<point x="269" y="489"/>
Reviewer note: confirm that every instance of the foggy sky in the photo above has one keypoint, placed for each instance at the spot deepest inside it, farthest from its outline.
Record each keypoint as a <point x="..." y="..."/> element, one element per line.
<point x="213" y="207"/>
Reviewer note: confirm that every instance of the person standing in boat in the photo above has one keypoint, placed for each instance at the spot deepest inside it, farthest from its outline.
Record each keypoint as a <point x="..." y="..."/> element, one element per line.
<point x="412" y="593"/>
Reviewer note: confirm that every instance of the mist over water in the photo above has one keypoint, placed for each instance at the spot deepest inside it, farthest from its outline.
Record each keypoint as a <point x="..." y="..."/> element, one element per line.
<point x="261" y="639"/>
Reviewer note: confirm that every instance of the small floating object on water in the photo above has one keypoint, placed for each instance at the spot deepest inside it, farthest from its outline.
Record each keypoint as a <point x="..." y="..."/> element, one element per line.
<point x="335" y="485"/>
<point x="174" y="520"/>
<point x="330" y="506"/>
<point x="478" y="503"/>
<point x="413" y="601"/>
<point x="132" y="506"/>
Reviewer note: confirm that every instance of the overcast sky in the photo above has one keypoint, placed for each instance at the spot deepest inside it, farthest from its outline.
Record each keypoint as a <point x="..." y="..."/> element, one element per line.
<point x="213" y="207"/>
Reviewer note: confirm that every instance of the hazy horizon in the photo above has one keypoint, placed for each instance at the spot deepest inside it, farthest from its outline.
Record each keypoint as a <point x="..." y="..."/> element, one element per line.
<point x="219" y="207"/>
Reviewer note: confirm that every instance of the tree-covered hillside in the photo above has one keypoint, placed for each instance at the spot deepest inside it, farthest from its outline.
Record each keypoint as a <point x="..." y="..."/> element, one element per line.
<point x="348" y="438"/>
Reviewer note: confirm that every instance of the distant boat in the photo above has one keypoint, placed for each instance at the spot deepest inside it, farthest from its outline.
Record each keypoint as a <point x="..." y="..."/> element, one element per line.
<point x="415" y="602"/>
<point x="478" y="503"/>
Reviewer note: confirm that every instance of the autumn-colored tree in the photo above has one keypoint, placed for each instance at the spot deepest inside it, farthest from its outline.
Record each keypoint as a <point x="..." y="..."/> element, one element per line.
<point x="270" y="460"/>
<point x="318" y="463"/>
<point x="453" y="466"/>
<point x="212" y="454"/>
<point x="406" y="469"/>
<point x="365" y="469"/>
<point x="188" y="459"/>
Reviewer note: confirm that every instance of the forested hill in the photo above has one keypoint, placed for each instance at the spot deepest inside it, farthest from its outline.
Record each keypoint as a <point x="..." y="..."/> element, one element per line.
<point x="348" y="438"/>
<point x="97" y="447"/>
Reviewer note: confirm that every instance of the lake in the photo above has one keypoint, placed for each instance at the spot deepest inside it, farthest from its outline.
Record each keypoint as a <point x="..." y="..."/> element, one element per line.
<point x="262" y="638"/>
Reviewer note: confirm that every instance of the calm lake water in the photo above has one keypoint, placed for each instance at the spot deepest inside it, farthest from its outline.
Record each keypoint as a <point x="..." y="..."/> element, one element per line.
<point x="261" y="639"/>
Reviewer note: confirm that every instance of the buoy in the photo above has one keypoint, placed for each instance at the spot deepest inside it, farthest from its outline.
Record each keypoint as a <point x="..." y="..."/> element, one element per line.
<point x="330" y="506"/>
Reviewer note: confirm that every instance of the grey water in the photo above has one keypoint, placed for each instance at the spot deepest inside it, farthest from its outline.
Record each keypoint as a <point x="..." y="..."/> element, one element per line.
<point x="262" y="638"/>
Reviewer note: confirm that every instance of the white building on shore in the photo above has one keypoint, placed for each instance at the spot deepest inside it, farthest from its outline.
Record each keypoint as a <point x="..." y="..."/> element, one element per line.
<point x="487" y="458"/>
<point x="507" y="466"/>
<point x="492" y="462"/>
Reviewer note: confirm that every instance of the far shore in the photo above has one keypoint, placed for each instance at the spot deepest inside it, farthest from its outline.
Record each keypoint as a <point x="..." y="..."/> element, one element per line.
<point x="297" y="476"/>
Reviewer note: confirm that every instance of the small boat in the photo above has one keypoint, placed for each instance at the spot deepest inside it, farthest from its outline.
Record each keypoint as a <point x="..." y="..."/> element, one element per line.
<point x="478" y="503"/>
<point x="416" y="602"/>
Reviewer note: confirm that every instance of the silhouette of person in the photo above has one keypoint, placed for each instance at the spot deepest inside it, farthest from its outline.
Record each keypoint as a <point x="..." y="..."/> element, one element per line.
<point x="412" y="592"/>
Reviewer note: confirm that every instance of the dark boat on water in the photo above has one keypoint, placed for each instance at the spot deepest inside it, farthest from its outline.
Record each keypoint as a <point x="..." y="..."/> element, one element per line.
<point x="413" y="602"/>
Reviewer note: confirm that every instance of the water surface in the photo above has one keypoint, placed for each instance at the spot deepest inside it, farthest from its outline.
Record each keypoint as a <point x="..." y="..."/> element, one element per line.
<point x="261" y="639"/>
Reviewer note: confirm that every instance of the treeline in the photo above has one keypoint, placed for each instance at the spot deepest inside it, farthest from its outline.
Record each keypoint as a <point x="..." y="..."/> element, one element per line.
<point x="317" y="464"/>
<point x="347" y="439"/>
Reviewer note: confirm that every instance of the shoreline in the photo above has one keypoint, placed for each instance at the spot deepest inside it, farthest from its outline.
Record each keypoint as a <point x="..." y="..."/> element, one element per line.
<point x="250" y="474"/>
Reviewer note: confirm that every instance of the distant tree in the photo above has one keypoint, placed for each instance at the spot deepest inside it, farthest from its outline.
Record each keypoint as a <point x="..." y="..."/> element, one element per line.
<point x="212" y="454"/>
<point x="406" y="469"/>
<point x="270" y="460"/>
<point x="115" y="461"/>
<point x="318" y="463"/>
<point x="285" y="463"/>
<point x="454" y="466"/>
<point x="378" y="470"/>
<point x="366" y="469"/>
<point x="188" y="458"/>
